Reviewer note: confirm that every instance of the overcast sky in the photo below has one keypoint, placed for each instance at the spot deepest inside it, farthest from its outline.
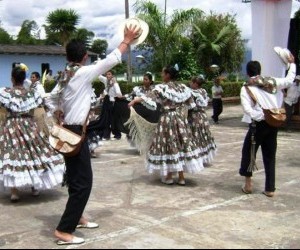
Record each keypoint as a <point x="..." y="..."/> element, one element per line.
<point x="104" y="16"/>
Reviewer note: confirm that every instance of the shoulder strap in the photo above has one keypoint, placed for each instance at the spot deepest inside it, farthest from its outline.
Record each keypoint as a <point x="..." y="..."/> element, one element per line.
<point x="251" y="95"/>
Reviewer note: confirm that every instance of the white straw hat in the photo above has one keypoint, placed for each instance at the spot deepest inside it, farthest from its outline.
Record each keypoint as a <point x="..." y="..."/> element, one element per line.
<point x="144" y="29"/>
<point x="283" y="54"/>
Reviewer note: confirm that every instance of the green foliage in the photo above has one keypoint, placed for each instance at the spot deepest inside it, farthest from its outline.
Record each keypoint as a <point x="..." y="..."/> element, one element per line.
<point x="231" y="89"/>
<point x="166" y="32"/>
<point x="217" y="40"/>
<point x="84" y="35"/>
<point x="99" y="46"/>
<point x="5" y="38"/>
<point x="29" y="33"/>
<point x="49" y="86"/>
<point x="62" y="23"/>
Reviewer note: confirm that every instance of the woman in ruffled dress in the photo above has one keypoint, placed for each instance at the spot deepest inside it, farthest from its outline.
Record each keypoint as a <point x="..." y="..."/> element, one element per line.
<point x="139" y="91"/>
<point x="26" y="158"/>
<point x="173" y="149"/>
<point x="199" y="122"/>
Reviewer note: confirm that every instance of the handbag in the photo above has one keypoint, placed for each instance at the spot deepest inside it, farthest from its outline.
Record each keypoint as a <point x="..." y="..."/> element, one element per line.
<point x="65" y="141"/>
<point x="274" y="117"/>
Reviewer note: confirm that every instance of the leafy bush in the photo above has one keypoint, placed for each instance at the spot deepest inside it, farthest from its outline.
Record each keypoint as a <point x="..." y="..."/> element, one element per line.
<point x="231" y="89"/>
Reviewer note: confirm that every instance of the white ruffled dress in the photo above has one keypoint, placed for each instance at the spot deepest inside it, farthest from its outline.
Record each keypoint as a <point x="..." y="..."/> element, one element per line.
<point x="26" y="158"/>
<point x="173" y="148"/>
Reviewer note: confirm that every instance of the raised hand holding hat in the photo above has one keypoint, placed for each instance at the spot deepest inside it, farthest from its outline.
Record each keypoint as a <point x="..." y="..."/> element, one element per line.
<point x="285" y="56"/>
<point x="142" y="32"/>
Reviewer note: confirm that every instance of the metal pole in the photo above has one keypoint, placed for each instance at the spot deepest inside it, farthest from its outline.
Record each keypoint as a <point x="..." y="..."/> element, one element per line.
<point x="129" y="70"/>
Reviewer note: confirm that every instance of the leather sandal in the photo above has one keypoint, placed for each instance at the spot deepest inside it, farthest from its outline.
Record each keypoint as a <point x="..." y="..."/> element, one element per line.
<point x="89" y="225"/>
<point x="74" y="241"/>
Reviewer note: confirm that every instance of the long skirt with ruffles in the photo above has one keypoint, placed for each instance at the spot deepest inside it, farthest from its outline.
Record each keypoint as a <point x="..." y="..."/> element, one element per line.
<point x="199" y="124"/>
<point x="26" y="158"/>
<point x="173" y="148"/>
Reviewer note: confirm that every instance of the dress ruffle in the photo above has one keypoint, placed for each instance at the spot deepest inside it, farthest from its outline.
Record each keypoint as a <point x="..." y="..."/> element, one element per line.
<point x="19" y="100"/>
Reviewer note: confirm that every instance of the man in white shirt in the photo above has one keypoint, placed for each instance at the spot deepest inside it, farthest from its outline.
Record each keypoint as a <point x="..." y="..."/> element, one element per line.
<point x="265" y="135"/>
<point x="73" y="106"/>
<point x="291" y="98"/>
<point x="113" y="91"/>
<point x="217" y="103"/>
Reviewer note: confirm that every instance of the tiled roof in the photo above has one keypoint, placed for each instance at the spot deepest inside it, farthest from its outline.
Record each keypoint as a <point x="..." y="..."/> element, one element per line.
<point x="35" y="50"/>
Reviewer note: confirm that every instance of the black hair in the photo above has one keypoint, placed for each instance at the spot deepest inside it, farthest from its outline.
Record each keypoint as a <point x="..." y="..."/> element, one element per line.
<point x="76" y="51"/>
<point x="36" y="74"/>
<point x="171" y="71"/>
<point x="110" y="71"/>
<point x="19" y="75"/>
<point x="198" y="80"/>
<point x="253" y="68"/>
<point x="150" y="77"/>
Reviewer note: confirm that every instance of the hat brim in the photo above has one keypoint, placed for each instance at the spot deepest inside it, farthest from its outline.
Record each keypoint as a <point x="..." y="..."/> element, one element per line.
<point x="283" y="55"/>
<point x="144" y="28"/>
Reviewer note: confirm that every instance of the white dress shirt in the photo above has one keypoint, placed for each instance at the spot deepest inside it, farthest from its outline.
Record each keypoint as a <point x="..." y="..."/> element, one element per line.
<point x="265" y="100"/>
<point x="217" y="92"/>
<point x="76" y="96"/>
<point x="293" y="94"/>
<point x="113" y="90"/>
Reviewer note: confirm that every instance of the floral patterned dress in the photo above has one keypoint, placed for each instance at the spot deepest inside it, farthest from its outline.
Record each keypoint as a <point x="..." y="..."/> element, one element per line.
<point x="173" y="148"/>
<point x="199" y="124"/>
<point x="138" y="91"/>
<point x="26" y="158"/>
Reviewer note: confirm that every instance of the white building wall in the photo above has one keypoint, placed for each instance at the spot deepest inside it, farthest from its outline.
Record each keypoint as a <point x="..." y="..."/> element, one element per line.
<point x="33" y="62"/>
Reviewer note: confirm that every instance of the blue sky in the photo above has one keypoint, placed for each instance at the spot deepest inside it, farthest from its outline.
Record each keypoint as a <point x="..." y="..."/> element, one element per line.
<point x="104" y="16"/>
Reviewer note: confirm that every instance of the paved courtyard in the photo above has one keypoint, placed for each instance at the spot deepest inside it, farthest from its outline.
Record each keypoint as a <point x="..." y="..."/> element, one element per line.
<point x="135" y="210"/>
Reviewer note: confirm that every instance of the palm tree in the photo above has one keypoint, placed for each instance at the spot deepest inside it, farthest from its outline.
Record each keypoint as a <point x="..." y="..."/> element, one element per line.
<point x="165" y="32"/>
<point x="214" y="45"/>
<point x="217" y="40"/>
<point x="63" y="24"/>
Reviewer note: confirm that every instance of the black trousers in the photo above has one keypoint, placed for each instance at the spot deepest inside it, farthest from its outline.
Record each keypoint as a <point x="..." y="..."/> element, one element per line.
<point x="217" y="108"/>
<point x="79" y="177"/>
<point x="266" y="137"/>
<point x="112" y="122"/>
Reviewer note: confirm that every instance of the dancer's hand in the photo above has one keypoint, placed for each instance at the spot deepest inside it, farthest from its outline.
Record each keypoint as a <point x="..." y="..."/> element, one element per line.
<point x="59" y="116"/>
<point x="131" y="104"/>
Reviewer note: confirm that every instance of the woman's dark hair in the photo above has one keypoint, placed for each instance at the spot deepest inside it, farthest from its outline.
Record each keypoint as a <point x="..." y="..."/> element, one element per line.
<point x="76" y="51"/>
<point x="110" y="71"/>
<point x="36" y="74"/>
<point x="19" y="75"/>
<point x="253" y="68"/>
<point x="150" y="77"/>
<point x="171" y="71"/>
<point x="199" y="81"/>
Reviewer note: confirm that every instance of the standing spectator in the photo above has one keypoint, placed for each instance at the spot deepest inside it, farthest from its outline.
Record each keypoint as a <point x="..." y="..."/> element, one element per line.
<point x="291" y="98"/>
<point x="217" y="92"/>
<point x="73" y="110"/>
<point x="36" y="85"/>
<point x="268" y="96"/>
<point x="112" y="91"/>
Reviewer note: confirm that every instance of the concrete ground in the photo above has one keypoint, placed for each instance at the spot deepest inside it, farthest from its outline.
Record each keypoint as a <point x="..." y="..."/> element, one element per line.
<point x="135" y="210"/>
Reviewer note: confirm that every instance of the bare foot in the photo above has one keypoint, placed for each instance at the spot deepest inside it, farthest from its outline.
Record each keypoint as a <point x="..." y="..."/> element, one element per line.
<point x="248" y="185"/>
<point x="268" y="194"/>
<point x="63" y="236"/>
